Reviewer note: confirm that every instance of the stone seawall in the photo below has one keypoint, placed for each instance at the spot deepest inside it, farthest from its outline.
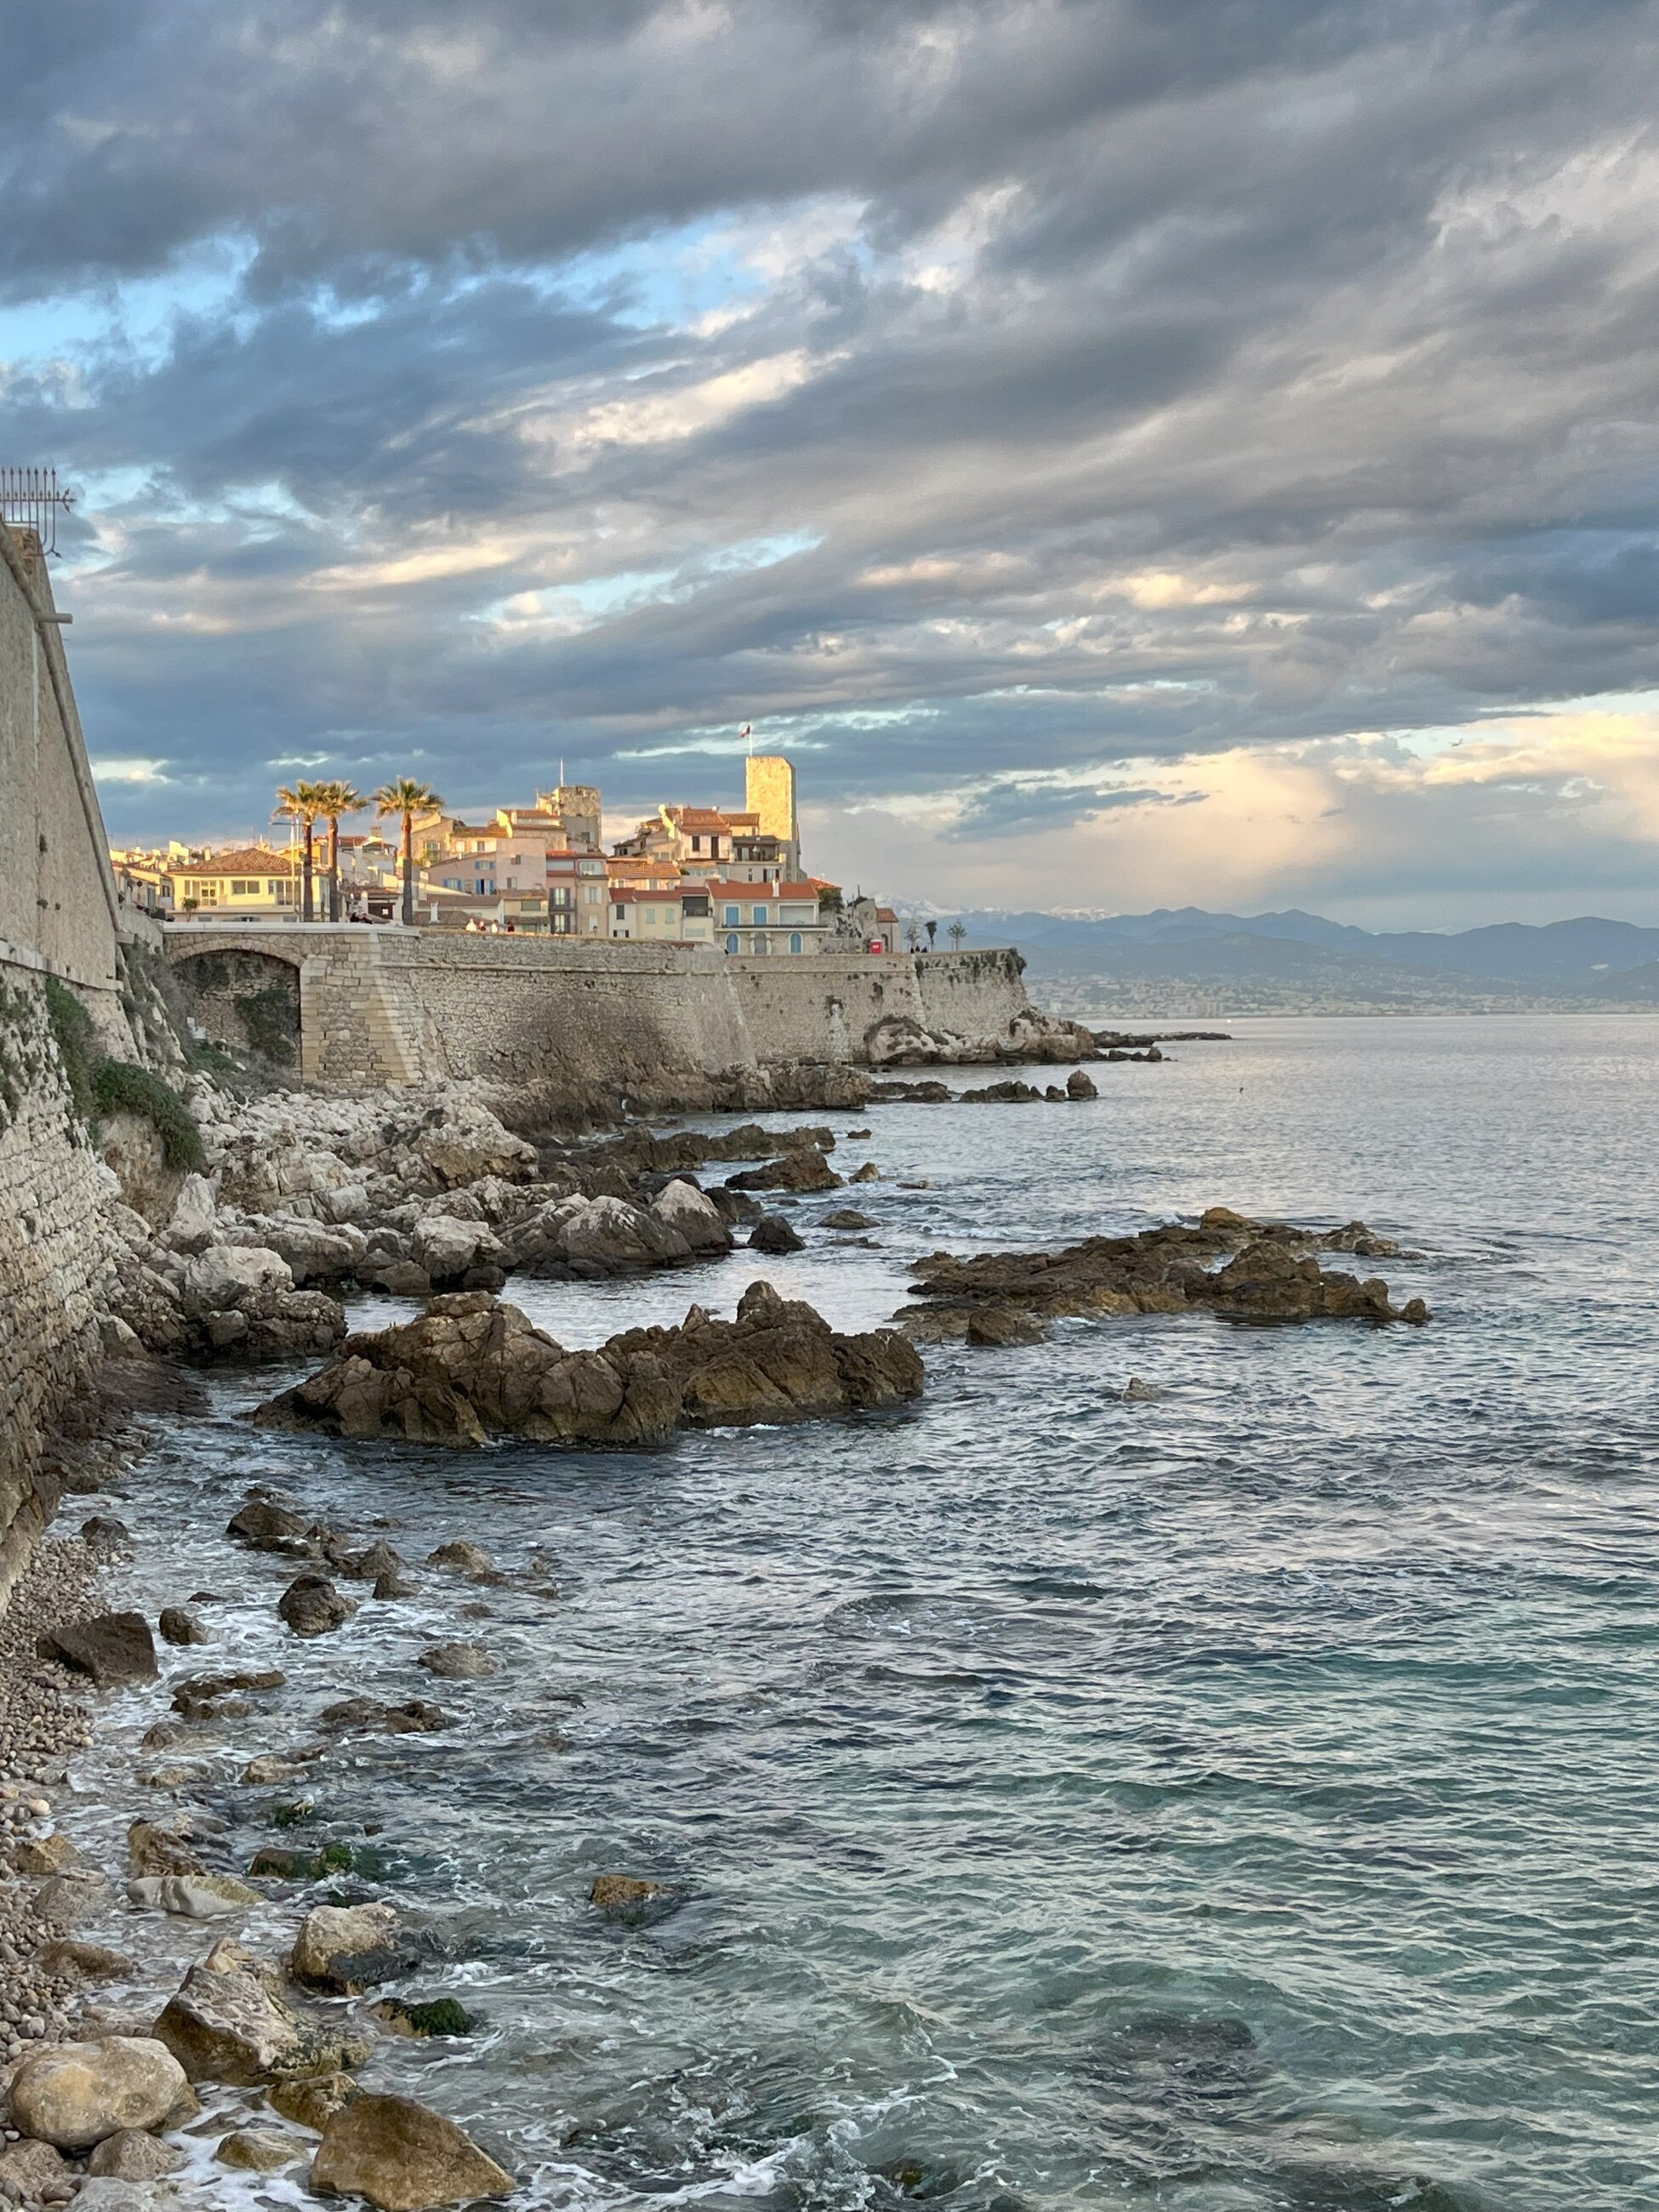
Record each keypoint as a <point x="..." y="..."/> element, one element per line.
<point x="52" y="1262"/>
<point x="862" y="1008"/>
<point x="394" y="1005"/>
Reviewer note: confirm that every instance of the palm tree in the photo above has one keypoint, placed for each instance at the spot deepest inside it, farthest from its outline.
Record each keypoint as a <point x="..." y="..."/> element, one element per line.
<point x="956" y="933"/>
<point x="932" y="932"/>
<point x="302" y="803"/>
<point x="338" y="798"/>
<point x="406" y="797"/>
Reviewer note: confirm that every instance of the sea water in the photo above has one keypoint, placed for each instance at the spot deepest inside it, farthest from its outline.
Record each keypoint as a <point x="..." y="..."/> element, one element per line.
<point x="1237" y="1799"/>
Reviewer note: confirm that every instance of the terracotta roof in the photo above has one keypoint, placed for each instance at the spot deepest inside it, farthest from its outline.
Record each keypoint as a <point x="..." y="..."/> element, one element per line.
<point x="796" y="894"/>
<point x="238" y="860"/>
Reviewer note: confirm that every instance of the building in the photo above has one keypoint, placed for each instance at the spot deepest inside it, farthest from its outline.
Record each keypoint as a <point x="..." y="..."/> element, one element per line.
<point x="578" y="889"/>
<point x="247" y="881"/>
<point x="753" y="920"/>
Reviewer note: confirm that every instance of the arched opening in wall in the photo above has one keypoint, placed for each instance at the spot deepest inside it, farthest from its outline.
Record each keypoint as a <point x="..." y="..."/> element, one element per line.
<point x="248" y="1002"/>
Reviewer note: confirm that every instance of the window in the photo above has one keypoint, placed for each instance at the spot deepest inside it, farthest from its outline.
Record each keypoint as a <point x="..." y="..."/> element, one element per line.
<point x="594" y="894"/>
<point x="760" y="914"/>
<point x="761" y="944"/>
<point x="622" y="911"/>
<point x="730" y="944"/>
<point x="733" y="913"/>
<point x="283" y="894"/>
<point x="795" y="942"/>
<point x="240" y="887"/>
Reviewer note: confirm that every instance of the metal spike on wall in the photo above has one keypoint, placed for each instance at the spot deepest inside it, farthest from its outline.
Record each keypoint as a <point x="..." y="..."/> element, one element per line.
<point x="31" y="497"/>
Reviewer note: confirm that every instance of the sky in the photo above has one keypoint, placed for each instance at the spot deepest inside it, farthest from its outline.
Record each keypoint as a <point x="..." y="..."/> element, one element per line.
<point x="1128" y="453"/>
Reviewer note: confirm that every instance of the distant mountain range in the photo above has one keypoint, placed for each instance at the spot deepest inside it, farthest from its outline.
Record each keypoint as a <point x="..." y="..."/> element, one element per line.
<point x="1296" y="958"/>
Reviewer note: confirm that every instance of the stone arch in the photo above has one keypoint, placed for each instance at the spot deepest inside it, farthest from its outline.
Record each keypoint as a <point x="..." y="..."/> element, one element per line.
<point x="248" y="1001"/>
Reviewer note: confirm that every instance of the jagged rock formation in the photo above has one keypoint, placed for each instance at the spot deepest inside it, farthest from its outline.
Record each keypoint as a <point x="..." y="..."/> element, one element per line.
<point x="472" y="1367"/>
<point x="1270" y="1274"/>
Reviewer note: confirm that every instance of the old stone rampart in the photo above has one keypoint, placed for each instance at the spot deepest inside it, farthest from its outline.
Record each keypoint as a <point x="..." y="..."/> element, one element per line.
<point x="385" y="1005"/>
<point x="59" y="919"/>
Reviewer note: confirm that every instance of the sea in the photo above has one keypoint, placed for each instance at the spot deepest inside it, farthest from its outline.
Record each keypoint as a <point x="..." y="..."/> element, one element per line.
<point x="1241" y="1795"/>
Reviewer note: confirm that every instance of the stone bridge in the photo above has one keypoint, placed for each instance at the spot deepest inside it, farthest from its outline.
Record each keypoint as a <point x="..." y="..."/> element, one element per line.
<point x="352" y="1005"/>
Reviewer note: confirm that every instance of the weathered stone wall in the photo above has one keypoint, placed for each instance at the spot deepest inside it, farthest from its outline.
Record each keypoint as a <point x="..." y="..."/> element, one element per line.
<point x="827" y="1008"/>
<point x="51" y="1262"/>
<point x="526" y="1008"/>
<point x="394" y="1005"/>
<point x="58" y="918"/>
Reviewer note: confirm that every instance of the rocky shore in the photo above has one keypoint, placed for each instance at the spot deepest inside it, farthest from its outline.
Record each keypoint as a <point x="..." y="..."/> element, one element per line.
<point x="252" y="1988"/>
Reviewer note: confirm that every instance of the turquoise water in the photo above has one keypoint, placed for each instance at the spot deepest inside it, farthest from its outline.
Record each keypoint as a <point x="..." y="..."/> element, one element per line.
<point x="1239" y="1802"/>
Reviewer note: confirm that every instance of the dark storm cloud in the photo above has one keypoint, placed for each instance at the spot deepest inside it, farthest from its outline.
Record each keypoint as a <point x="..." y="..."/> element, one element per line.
<point x="1026" y="385"/>
<point x="1013" y="810"/>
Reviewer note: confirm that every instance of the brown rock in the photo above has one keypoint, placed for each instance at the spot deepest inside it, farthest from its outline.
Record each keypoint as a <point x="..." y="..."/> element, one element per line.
<point x="267" y="1528"/>
<point x="313" y="2103"/>
<point x="111" y="1648"/>
<point x="259" y="2150"/>
<point x="38" y="1855"/>
<point x="151" y="1849"/>
<point x="403" y="2158"/>
<point x="229" y="2021"/>
<point x="37" y="2172"/>
<point x="614" y="1892"/>
<point x="346" y="1950"/>
<point x="313" y="1607"/>
<point x="803" y="1169"/>
<point x="130" y="2154"/>
<point x="65" y="1959"/>
<point x="74" y="2094"/>
<point x="471" y="1367"/>
<point x="178" y="1627"/>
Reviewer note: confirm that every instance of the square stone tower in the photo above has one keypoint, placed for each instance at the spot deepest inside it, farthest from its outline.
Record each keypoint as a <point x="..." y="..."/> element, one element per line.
<point x="769" y="792"/>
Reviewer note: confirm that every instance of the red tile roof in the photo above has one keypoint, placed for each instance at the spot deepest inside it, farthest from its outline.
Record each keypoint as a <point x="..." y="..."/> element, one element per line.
<point x="238" y="860"/>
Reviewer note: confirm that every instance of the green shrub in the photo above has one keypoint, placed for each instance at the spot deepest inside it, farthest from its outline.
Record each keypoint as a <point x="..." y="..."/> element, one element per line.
<point x="77" y="1044"/>
<point x="119" y="1087"/>
<point x="268" y="1023"/>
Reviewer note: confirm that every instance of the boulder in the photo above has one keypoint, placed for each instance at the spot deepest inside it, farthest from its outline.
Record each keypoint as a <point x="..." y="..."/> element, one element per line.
<point x="152" y="1849"/>
<point x="361" y="1715"/>
<point x="130" y="2154"/>
<point x="446" y="1249"/>
<point x="36" y="2172"/>
<point x="312" y="2103"/>
<point x="442" y="2016"/>
<point x="64" y="1959"/>
<point x="75" y="2093"/>
<point x="403" y="2157"/>
<point x="471" y="1367"/>
<point x="346" y="1950"/>
<point x="259" y="2150"/>
<point x="469" y="1143"/>
<point x="193" y="1896"/>
<point x="461" y="1557"/>
<point x="64" y="1900"/>
<point x="1079" y="1085"/>
<point x="692" y="1216"/>
<point x="111" y="1648"/>
<point x="39" y="1856"/>
<point x="459" y="1662"/>
<point x="608" y="1236"/>
<point x="997" y="1324"/>
<point x="313" y="1607"/>
<point x="216" y="1280"/>
<point x="804" y="1167"/>
<point x="277" y="1766"/>
<point x="622" y="1892"/>
<point x="772" y="1234"/>
<point x="229" y="2021"/>
<point x="105" y="2193"/>
<point x="868" y="1173"/>
<point x="199" y="1696"/>
<point x="845" y="1216"/>
<point x="179" y="1627"/>
<point x="313" y="1252"/>
<point x="263" y="1526"/>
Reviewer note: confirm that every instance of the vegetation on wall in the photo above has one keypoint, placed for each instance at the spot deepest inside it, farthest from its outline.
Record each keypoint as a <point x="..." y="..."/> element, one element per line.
<point x="267" y="1019"/>
<point x="99" y="1086"/>
<point x="120" y="1087"/>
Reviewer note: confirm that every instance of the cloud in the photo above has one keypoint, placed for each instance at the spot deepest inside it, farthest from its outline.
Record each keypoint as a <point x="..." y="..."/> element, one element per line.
<point x="1109" y="381"/>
